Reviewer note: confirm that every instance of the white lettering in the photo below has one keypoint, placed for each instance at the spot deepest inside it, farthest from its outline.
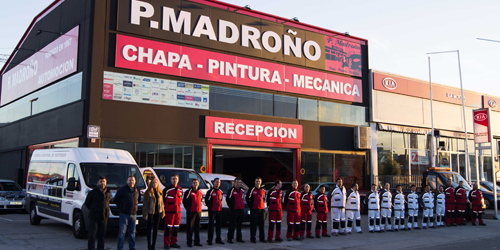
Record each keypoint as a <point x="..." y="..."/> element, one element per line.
<point x="309" y="80"/>
<point x="307" y="51"/>
<point x="268" y="131"/>
<point x="282" y="132"/>
<point x="160" y="58"/>
<point x="230" y="128"/>
<point x="258" y="130"/>
<point x="265" y="41"/>
<point x="219" y="127"/>
<point x="264" y="75"/>
<point x="355" y="90"/>
<point x="184" y="63"/>
<point x="298" y="81"/>
<point x="173" y="57"/>
<point x="125" y="52"/>
<point x="136" y="13"/>
<point x="148" y="55"/>
<point x="212" y="64"/>
<point x="294" y="47"/>
<point x="316" y="86"/>
<point x="253" y="37"/>
<point x="249" y="129"/>
<point x="183" y="21"/>
<point x="239" y="129"/>
<point x="223" y="26"/>
<point x="292" y="133"/>
<point x="204" y="27"/>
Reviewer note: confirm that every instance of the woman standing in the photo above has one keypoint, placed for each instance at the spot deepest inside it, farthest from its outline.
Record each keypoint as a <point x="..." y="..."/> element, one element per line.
<point x="153" y="210"/>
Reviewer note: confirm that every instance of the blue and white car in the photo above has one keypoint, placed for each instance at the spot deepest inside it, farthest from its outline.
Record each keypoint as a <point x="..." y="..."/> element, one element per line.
<point x="12" y="196"/>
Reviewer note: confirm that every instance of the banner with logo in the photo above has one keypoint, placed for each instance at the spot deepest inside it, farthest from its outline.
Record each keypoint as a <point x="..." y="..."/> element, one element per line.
<point x="481" y="125"/>
<point x="343" y="56"/>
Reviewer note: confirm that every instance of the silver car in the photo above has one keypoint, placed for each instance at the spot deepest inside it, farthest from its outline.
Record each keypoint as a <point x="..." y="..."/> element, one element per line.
<point x="12" y="196"/>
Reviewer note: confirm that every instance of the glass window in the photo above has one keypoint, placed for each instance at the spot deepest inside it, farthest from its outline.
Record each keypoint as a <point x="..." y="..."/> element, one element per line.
<point x="461" y="145"/>
<point x="325" y="168"/>
<point x="188" y="157"/>
<point x="386" y="164"/>
<point x="418" y="141"/>
<point x="400" y="140"/>
<point x="454" y="144"/>
<point x="200" y="157"/>
<point x="116" y="174"/>
<point x="444" y="159"/>
<point x="341" y="113"/>
<point x="55" y="95"/>
<point x="178" y="157"/>
<point x="128" y="146"/>
<point x="472" y="161"/>
<point x="419" y="161"/>
<point x="384" y="139"/>
<point x="401" y="157"/>
<point x="350" y="169"/>
<point x="310" y="163"/>
<point x="241" y="101"/>
<point x="166" y="155"/>
<point x="308" y="109"/>
<point x="146" y="154"/>
<point x="285" y="106"/>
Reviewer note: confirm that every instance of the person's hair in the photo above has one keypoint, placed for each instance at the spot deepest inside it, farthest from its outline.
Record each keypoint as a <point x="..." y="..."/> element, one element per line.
<point x="354" y="184"/>
<point x="412" y="186"/>
<point x="102" y="177"/>
<point x="443" y="187"/>
<point x="427" y="186"/>
<point x="276" y="182"/>
<point x="321" y="186"/>
<point x="338" y="179"/>
<point x="397" y="186"/>
<point x="131" y="176"/>
<point x="374" y="184"/>
<point x="216" y="179"/>
<point x="192" y="180"/>
<point x="237" y="179"/>
<point x="153" y="189"/>
<point x="174" y="175"/>
<point x="295" y="181"/>
<point x="258" y="178"/>
<point x="387" y="183"/>
<point x="461" y="181"/>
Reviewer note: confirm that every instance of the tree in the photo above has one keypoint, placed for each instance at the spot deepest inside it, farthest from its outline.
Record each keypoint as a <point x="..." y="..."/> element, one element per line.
<point x="389" y="166"/>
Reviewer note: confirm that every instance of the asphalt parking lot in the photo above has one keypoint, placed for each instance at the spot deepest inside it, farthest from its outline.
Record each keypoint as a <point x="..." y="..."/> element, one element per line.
<point x="17" y="233"/>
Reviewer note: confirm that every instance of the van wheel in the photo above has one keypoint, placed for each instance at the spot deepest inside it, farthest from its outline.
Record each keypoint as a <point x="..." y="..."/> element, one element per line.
<point x="79" y="230"/>
<point x="34" y="218"/>
<point x="487" y="203"/>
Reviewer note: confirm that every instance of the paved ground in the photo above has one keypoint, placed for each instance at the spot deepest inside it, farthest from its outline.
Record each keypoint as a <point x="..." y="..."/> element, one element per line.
<point x="17" y="233"/>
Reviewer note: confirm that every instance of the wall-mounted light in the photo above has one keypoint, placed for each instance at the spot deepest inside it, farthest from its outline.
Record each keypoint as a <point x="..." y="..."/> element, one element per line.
<point x="247" y="7"/>
<point x="41" y="31"/>
<point x="293" y="19"/>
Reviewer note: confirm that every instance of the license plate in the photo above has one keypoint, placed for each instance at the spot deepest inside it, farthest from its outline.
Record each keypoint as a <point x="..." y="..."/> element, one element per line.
<point x="16" y="203"/>
<point x="248" y="212"/>
<point x="204" y="214"/>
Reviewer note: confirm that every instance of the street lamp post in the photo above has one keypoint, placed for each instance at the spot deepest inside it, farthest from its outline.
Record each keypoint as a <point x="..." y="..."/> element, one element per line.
<point x="31" y="105"/>
<point x="467" y="162"/>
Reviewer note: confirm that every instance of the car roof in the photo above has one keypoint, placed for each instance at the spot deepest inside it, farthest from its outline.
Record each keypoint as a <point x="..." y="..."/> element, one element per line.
<point x="173" y="168"/>
<point x="6" y="180"/>
<point x="212" y="176"/>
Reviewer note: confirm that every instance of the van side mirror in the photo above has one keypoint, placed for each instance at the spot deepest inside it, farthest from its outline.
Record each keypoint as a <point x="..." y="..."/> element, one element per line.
<point x="73" y="184"/>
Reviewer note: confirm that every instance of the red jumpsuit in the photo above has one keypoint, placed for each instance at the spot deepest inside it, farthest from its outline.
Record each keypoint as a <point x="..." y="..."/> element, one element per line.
<point x="292" y="202"/>
<point x="461" y="201"/>
<point x="306" y="208"/>
<point x="476" y="198"/>
<point x="173" y="200"/>
<point x="450" y="205"/>
<point x="275" y="213"/>
<point x="321" y="206"/>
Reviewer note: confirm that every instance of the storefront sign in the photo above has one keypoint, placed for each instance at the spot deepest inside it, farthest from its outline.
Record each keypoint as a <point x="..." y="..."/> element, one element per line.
<point x="246" y="130"/>
<point x="491" y="102"/>
<point x="455" y="134"/>
<point x="53" y="62"/>
<point x="403" y="129"/>
<point x="481" y="125"/>
<point x="93" y="132"/>
<point x="151" y="56"/>
<point x="213" y="27"/>
<point x="419" y="157"/>
<point x="133" y="88"/>
<point x="421" y="89"/>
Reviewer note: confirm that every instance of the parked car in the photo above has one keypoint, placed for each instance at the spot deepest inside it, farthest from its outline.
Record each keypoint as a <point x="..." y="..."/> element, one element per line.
<point x="488" y="197"/>
<point x="163" y="174"/>
<point x="12" y="196"/>
<point x="489" y="186"/>
<point x="227" y="182"/>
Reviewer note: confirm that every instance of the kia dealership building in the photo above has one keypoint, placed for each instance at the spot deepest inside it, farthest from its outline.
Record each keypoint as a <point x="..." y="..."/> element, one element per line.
<point x="195" y="84"/>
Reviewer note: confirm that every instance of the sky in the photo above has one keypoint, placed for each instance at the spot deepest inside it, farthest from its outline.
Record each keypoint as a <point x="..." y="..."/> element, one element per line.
<point x="400" y="33"/>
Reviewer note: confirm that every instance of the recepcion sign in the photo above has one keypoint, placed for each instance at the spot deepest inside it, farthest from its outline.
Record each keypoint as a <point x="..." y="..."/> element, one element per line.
<point x="53" y="62"/>
<point x="164" y="58"/>
<point x="246" y="130"/>
<point x="481" y="125"/>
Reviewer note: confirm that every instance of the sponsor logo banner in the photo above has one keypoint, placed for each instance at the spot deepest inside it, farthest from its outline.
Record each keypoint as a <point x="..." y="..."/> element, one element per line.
<point x="151" y="56"/>
<point x="246" y="130"/>
<point x="53" y="62"/>
<point x="481" y="125"/>
<point x="343" y="56"/>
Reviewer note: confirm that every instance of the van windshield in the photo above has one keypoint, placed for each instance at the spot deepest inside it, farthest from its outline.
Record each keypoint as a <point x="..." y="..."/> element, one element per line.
<point x="116" y="174"/>
<point x="456" y="178"/>
<point x="185" y="177"/>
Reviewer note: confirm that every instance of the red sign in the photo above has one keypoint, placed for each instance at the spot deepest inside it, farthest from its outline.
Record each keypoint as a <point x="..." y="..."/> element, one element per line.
<point x="481" y="125"/>
<point x="53" y="62"/>
<point x="343" y="56"/>
<point x="164" y="58"/>
<point x="246" y="130"/>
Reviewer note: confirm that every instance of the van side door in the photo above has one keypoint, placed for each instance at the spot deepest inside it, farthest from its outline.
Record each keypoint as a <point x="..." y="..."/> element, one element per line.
<point x="71" y="198"/>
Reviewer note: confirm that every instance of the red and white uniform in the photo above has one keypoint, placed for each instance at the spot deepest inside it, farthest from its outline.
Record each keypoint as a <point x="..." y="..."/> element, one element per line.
<point x="449" y="193"/>
<point x="172" y="200"/>
<point x="292" y="203"/>
<point x="461" y="201"/>
<point x="306" y="208"/>
<point x="476" y="198"/>
<point x="321" y="207"/>
<point x="275" y="213"/>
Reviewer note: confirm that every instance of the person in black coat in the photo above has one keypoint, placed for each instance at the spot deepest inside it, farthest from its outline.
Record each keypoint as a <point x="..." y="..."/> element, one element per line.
<point x="97" y="202"/>
<point x="127" y="199"/>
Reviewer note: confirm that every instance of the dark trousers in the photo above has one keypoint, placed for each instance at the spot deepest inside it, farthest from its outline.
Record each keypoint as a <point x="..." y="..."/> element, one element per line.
<point x="193" y="224"/>
<point x="257" y="217"/>
<point x="97" y="228"/>
<point x="236" y="221"/>
<point x="217" y="216"/>
<point x="153" y="223"/>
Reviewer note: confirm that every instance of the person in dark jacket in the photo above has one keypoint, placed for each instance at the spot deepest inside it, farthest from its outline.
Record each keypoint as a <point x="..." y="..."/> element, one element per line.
<point x="192" y="203"/>
<point x="255" y="200"/>
<point x="235" y="201"/>
<point x="213" y="199"/>
<point x="97" y="202"/>
<point x="126" y="199"/>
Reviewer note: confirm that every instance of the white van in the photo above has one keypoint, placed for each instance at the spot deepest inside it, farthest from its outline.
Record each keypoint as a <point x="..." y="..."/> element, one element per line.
<point x="163" y="174"/>
<point x="59" y="180"/>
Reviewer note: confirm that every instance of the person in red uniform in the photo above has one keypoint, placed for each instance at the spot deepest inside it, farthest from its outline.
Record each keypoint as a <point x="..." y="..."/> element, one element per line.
<point x="213" y="200"/>
<point x="321" y="206"/>
<point x="192" y="203"/>
<point x="306" y="209"/>
<point x="273" y="199"/>
<point x="292" y="204"/>
<point x="449" y="200"/>
<point x="172" y="200"/>
<point x="255" y="200"/>
<point x="234" y="199"/>
<point x="476" y="198"/>
<point x="461" y="201"/>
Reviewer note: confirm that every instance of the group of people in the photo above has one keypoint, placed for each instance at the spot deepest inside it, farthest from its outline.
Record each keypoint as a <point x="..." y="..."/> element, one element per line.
<point x="344" y="206"/>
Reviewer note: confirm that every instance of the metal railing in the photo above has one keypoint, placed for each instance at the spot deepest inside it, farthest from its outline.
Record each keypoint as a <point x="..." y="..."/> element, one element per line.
<point x="404" y="180"/>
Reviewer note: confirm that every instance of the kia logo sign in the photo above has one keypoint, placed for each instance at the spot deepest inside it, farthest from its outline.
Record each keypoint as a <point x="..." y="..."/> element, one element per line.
<point x="492" y="103"/>
<point x="389" y="83"/>
<point x="480" y="117"/>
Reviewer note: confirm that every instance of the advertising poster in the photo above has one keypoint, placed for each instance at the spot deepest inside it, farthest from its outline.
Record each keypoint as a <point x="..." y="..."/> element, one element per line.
<point x="131" y="88"/>
<point x="419" y="157"/>
<point x="481" y="125"/>
<point x="342" y="56"/>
